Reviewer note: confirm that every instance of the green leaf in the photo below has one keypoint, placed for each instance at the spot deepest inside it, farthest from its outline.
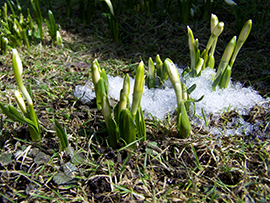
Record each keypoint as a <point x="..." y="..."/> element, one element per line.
<point x="96" y="71"/>
<point x="226" y="77"/>
<point x="211" y="62"/>
<point x="4" y="45"/>
<point x="138" y="88"/>
<point x="224" y="62"/>
<point x="241" y="39"/>
<point x="122" y="104"/>
<point x="34" y="133"/>
<point x="111" y="125"/>
<point x="25" y="38"/>
<point x="199" y="66"/>
<point x="7" y="112"/>
<point x="161" y="71"/>
<point x="150" y="80"/>
<point x="59" y="40"/>
<point x="197" y="100"/>
<point x="140" y="124"/>
<point x="204" y="118"/>
<point x="16" y="113"/>
<point x="100" y="90"/>
<point x="113" y="134"/>
<point x="11" y="7"/>
<point x="127" y="127"/>
<point x="106" y="108"/>
<point x="126" y="86"/>
<point x="184" y="92"/>
<point x="109" y="3"/>
<point x="61" y="135"/>
<point x="191" y="89"/>
<point x="116" y="112"/>
<point x="105" y="80"/>
<point x="175" y="79"/>
<point x="183" y="123"/>
<point x="39" y="18"/>
<point x="191" y="43"/>
<point x="54" y="27"/>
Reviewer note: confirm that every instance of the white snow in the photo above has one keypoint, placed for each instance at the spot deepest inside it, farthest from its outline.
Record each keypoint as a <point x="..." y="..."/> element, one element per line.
<point x="160" y="102"/>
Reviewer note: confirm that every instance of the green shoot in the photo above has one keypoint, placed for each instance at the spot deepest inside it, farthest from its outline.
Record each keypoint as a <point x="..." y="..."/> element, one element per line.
<point x="29" y="117"/>
<point x="183" y="123"/>
<point x="154" y="71"/>
<point x="112" y="22"/>
<point x="39" y="19"/>
<point x="121" y="124"/>
<point x="61" y="134"/>
<point x="53" y="29"/>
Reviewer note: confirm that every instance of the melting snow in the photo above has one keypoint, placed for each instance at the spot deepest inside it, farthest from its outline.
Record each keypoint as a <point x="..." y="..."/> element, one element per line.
<point x="160" y="102"/>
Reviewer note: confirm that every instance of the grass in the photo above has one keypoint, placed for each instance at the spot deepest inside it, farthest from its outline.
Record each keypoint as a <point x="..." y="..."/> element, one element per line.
<point x="203" y="168"/>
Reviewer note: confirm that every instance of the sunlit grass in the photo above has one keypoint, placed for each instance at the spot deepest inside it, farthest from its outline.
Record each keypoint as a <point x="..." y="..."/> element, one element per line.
<point x="163" y="169"/>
